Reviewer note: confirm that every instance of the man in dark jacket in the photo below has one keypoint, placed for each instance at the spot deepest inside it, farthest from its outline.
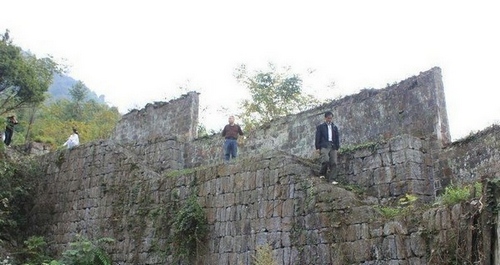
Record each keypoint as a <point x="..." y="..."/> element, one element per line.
<point x="327" y="144"/>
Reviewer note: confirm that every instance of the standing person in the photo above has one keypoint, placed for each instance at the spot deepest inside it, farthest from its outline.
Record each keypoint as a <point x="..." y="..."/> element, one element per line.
<point x="73" y="140"/>
<point x="230" y="133"/>
<point x="9" y="129"/>
<point x="327" y="144"/>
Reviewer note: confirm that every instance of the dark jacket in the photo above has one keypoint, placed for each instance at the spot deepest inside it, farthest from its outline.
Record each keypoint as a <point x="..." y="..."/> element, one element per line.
<point x="322" y="136"/>
<point x="11" y="121"/>
<point x="232" y="131"/>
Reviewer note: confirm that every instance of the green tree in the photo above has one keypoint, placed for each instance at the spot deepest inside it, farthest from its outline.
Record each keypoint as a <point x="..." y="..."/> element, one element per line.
<point x="274" y="93"/>
<point x="54" y="122"/>
<point x="78" y="94"/>
<point x="24" y="78"/>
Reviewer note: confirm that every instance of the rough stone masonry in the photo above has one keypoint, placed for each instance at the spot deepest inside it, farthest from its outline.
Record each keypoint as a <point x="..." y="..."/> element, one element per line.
<point x="396" y="144"/>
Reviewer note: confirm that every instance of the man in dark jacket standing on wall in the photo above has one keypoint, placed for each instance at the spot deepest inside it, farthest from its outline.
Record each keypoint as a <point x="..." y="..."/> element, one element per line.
<point x="327" y="144"/>
<point x="230" y="133"/>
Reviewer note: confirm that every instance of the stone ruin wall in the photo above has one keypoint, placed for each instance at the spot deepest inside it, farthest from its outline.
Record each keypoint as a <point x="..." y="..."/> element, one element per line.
<point x="415" y="106"/>
<point x="370" y="116"/>
<point x="177" y="119"/>
<point x="391" y="169"/>
<point x="267" y="199"/>
<point x="471" y="159"/>
<point x="121" y="187"/>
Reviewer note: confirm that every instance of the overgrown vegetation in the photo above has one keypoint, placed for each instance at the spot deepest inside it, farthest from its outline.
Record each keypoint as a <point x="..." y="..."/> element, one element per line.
<point x="455" y="194"/>
<point x="85" y="252"/>
<point x="405" y="206"/>
<point x="461" y="243"/>
<point x="264" y="256"/>
<point x="24" y="82"/>
<point x="15" y="196"/>
<point x="16" y="180"/>
<point x="52" y="124"/>
<point x="190" y="229"/>
<point x="355" y="188"/>
<point x="34" y="251"/>
<point x="81" y="251"/>
<point x="351" y="148"/>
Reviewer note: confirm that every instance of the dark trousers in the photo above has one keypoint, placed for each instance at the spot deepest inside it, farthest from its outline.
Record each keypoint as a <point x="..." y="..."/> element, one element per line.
<point x="8" y="136"/>
<point x="230" y="149"/>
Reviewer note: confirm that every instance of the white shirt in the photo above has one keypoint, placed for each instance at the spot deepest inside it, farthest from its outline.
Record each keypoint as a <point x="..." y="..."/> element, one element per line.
<point x="72" y="141"/>
<point x="330" y="132"/>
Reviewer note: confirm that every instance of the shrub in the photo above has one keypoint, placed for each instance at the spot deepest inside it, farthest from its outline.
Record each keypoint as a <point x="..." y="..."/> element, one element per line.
<point x="86" y="252"/>
<point x="190" y="229"/>
<point x="454" y="195"/>
<point x="34" y="251"/>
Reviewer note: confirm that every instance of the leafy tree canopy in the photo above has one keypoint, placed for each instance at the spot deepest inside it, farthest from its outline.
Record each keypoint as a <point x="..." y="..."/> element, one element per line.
<point x="274" y="93"/>
<point x="24" y="78"/>
<point x="79" y="91"/>
<point x="24" y="82"/>
<point x="53" y="123"/>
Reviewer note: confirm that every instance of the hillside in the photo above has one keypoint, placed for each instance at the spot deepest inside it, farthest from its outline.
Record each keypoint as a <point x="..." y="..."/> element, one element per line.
<point x="61" y="85"/>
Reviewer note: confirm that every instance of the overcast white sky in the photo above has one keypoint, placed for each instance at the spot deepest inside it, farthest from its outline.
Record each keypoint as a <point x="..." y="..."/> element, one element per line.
<point x="135" y="52"/>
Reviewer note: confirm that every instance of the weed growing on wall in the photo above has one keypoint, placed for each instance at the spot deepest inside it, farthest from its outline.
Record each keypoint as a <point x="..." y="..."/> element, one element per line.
<point x="454" y="195"/>
<point x="190" y="229"/>
<point x="478" y="190"/>
<point x="390" y="212"/>
<point x="355" y="188"/>
<point x="405" y="206"/>
<point x="264" y="256"/>
<point x="367" y="145"/>
<point x="181" y="172"/>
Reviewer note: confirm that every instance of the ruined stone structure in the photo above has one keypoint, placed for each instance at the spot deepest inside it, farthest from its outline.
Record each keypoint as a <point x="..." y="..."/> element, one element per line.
<point x="396" y="143"/>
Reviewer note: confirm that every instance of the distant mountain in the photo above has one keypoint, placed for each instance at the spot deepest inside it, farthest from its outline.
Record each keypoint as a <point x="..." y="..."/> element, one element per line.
<point x="61" y="85"/>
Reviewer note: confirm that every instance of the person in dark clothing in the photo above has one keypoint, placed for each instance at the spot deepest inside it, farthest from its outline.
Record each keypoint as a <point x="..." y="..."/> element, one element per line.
<point x="9" y="129"/>
<point x="231" y="132"/>
<point x="327" y="143"/>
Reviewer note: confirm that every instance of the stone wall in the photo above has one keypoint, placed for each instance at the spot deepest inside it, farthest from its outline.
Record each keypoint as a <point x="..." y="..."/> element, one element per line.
<point x="131" y="186"/>
<point x="415" y="106"/>
<point x="471" y="159"/>
<point x="273" y="199"/>
<point x="176" y="118"/>
<point x="390" y="169"/>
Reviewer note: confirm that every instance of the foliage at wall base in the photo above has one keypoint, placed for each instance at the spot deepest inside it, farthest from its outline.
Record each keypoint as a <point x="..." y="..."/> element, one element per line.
<point x="190" y="229"/>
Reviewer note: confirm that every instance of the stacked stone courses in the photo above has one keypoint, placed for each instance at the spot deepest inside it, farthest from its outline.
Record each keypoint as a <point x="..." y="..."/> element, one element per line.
<point x="391" y="169"/>
<point x="415" y="107"/>
<point x="395" y="143"/>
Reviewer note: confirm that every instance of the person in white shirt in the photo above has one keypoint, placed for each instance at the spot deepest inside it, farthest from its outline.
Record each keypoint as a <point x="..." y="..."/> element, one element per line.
<point x="73" y="140"/>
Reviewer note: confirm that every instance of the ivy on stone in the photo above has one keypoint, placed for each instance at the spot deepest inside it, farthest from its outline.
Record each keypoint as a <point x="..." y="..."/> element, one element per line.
<point x="190" y="229"/>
